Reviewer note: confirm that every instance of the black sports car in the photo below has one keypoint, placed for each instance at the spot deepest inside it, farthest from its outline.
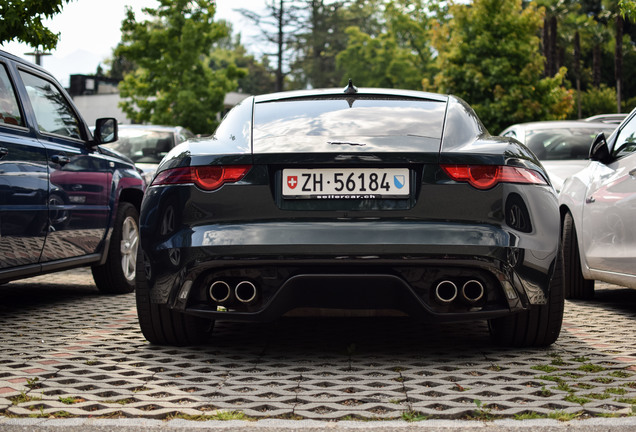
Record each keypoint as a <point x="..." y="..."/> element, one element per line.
<point x="354" y="199"/>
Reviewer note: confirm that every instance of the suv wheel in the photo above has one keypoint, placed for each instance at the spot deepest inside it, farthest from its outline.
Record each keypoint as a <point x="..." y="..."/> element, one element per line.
<point x="117" y="274"/>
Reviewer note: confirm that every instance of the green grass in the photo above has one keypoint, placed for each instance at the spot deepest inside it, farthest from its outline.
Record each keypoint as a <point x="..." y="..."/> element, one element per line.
<point x="529" y="416"/>
<point x="576" y="399"/>
<point x="413" y="416"/>
<point x="563" y="416"/>
<point x="545" y="368"/>
<point x="591" y="368"/>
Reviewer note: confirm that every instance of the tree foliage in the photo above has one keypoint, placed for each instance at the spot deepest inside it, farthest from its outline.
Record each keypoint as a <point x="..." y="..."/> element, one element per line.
<point x="229" y="51"/>
<point x="512" y="60"/>
<point x="489" y="55"/>
<point x="278" y="27"/>
<point x="172" y="82"/>
<point x="21" y="20"/>
<point x="399" y="57"/>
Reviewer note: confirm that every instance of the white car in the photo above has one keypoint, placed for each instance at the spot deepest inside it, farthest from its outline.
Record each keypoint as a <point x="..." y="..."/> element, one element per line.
<point x="146" y="145"/>
<point x="562" y="146"/>
<point x="598" y="205"/>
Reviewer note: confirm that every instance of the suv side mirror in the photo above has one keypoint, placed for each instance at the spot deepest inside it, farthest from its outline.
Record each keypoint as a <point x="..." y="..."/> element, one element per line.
<point x="105" y="130"/>
<point x="599" y="150"/>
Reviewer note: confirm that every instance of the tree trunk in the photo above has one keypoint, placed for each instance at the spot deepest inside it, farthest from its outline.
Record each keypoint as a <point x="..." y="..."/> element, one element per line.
<point x="618" y="60"/>
<point x="577" y="70"/>
<point x="553" y="46"/>
<point x="546" y="46"/>
<point x="281" y="48"/>
<point x="596" y="65"/>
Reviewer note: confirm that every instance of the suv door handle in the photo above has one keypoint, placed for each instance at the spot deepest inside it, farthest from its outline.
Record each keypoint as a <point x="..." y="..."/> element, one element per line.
<point x="3" y="152"/>
<point x="59" y="159"/>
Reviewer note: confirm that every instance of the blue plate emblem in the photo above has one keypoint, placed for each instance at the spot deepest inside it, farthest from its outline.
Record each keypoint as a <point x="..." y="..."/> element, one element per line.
<point x="398" y="181"/>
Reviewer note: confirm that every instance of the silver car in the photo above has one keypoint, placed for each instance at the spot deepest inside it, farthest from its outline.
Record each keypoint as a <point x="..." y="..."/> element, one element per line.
<point x="562" y="146"/>
<point x="146" y="145"/>
<point x="598" y="205"/>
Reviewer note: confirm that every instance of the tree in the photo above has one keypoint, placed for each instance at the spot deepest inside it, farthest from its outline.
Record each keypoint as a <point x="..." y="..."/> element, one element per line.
<point x="398" y="57"/>
<point x="22" y="20"/>
<point x="258" y="78"/>
<point x="489" y="56"/>
<point x="276" y="28"/>
<point x="323" y="36"/>
<point x="172" y="83"/>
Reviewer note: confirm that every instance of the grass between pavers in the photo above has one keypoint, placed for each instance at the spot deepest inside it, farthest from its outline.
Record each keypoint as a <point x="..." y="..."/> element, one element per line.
<point x="567" y="381"/>
<point x="481" y="413"/>
<point x="561" y="375"/>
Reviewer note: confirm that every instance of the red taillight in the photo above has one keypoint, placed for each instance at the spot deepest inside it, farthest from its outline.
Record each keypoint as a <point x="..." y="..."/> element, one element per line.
<point x="488" y="176"/>
<point x="208" y="177"/>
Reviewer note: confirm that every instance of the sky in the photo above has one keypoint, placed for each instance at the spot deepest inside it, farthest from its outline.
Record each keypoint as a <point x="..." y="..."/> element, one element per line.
<point x="90" y="29"/>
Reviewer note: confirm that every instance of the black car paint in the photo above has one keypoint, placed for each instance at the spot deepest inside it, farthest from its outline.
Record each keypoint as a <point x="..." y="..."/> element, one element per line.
<point x="351" y="253"/>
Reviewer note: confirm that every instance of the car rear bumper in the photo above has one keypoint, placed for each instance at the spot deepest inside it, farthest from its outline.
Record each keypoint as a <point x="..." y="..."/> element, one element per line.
<point x="351" y="264"/>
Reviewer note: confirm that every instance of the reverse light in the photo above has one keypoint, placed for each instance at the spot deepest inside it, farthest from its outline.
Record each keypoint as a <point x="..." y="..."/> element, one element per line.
<point x="208" y="177"/>
<point x="488" y="176"/>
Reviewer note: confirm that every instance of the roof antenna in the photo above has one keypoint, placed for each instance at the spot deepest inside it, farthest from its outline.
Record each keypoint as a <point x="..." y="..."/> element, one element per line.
<point x="350" y="88"/>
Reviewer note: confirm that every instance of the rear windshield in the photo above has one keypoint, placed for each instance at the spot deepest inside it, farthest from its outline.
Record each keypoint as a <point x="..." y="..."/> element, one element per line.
<point x="349" y="116"/>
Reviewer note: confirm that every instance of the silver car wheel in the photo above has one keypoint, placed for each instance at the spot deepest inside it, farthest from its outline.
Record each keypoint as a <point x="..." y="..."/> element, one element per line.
<point x="128" y="247"/>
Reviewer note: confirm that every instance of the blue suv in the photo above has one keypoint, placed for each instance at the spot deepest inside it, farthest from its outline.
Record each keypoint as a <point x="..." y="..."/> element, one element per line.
<point x="65" y="200"/>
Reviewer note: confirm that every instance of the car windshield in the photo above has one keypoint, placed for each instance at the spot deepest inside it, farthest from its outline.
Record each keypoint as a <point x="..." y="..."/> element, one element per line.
<point x="564" y="143"/>
<point x="143" y="146"/>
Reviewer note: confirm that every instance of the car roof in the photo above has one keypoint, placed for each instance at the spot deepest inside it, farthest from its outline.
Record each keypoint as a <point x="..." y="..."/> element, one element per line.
<point x="151" y="127"/>
<point x="560" y="124"/>
<point x="23" y="61"/>
<point x="272" y="97"/>
<point x="607" y="118"/>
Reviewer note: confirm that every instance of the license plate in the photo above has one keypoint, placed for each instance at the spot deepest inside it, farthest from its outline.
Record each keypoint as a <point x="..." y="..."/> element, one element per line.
<point x="346" y="183"/>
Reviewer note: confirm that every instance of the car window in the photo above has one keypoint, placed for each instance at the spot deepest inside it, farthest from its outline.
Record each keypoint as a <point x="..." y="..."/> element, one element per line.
<point x="52" y="111"/>
<point x="9" y="109"/>
<point x="144" y="146"/>
<point x="563" y="143"/>
<point x="626" y="140"/>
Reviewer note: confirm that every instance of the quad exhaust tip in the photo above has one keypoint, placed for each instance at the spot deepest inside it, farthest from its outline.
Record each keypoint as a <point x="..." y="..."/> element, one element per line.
<point x="473" y="291"/>
<point x="245" y="292"/>
<point x="446" y="291"/>
<point x="220" y="291"/>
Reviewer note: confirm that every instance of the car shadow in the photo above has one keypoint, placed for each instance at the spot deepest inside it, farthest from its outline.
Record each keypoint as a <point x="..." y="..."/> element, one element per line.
<point x="47" y="289"/>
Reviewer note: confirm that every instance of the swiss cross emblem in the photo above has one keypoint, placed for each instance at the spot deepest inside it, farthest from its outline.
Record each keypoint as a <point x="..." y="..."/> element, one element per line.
<point x="292" y="181"/>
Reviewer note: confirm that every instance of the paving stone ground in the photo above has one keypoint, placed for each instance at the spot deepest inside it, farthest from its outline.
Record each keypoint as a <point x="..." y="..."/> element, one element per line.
<point x="68" y="351"/>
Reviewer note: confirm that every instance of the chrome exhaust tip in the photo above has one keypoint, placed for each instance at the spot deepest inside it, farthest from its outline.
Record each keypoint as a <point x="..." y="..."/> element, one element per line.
<point x="473" y="291"/>
<point x="245" y="292"/>
<point x="446" y="291"/>
<point x="220" y="291"/>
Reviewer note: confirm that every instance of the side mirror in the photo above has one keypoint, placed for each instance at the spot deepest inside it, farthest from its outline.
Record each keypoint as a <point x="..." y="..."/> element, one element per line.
<point x="599" y="150"/>
<point x="105" y="130"/>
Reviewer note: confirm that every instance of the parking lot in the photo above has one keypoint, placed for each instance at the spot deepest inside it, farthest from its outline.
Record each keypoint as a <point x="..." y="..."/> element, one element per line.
<point x="67" y="351"/>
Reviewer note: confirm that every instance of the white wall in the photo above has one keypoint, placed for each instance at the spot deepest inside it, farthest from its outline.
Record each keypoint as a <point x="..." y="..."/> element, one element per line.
<point x="93" y="107"/>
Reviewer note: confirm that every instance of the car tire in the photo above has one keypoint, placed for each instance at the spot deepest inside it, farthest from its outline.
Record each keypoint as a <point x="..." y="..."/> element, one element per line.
<point x="161" y="325"/>
<point x="575" y="285"/>
<point x="538" y="326"/>
<point x="117" y="274"/>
